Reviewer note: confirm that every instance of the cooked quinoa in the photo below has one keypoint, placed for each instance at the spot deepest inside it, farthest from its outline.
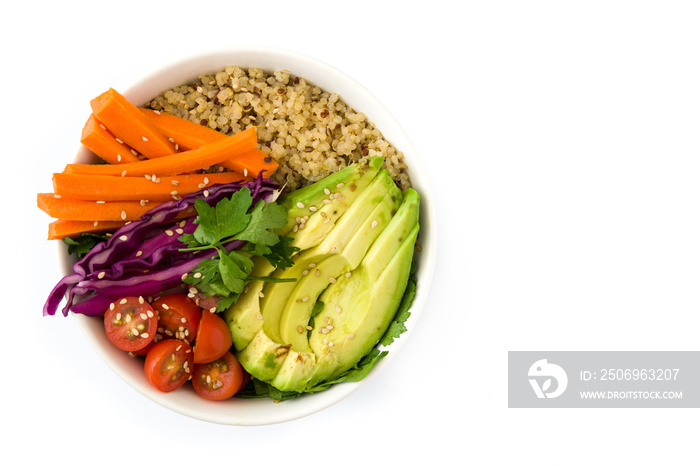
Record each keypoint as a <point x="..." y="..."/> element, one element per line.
<point x="309" y="131"/>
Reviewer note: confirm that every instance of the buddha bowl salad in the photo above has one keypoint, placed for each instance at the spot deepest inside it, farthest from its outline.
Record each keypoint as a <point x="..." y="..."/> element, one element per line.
<point x="247" y="232"/>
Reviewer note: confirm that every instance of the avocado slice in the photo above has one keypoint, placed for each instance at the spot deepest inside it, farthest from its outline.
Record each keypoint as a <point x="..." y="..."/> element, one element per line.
<point x="356" y="264"/>
<point x="263" y="357"/>
<point x="350" y="325"/>
<point x="276" y="294"/>
<point x="297" y="311"/>
<point x="243" y="317"/>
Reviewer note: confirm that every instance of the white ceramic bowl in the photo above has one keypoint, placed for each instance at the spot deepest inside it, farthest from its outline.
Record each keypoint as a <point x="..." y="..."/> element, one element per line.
<point x="265" y="411"/>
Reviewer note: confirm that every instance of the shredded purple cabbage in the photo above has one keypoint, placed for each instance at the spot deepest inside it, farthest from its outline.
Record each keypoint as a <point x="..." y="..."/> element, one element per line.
<point x="142" y="258"/>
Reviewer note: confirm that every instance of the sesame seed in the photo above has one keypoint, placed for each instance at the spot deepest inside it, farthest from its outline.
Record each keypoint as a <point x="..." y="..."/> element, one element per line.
<point x="173" y="193"/>
<point x="99" y="202"/>
<point x="179" y="231"/>
<point x="134" y="331"/>
<point x="197" y="275"/>
<point x="145" y="139"/>
<point x="212" y="310"/>
<point x="119" y="140"/>
<point x="141" y="300"/>
<point x="169" y="232"/>
<point x="119" y="158"/>
<point x="174" y="182"/>
<point x="95" y="223"/>
<point x="171" y="140"/>
<point x="101" y="274"/>
<point x="123" y="301"/>
<point x="138" y="253"/>
<point x="103" y="127"/>
<point x="123" y="237"/>
<point x="206" y="180"/>
<point x="124" y="173"/>
<point x="123" y="215"/>
<point x="245" y="172"/>
<point x="133" y="151"/>
<point x="374" y="224"/>
<point x="143" y="316"/>
<point x="348" y="274"/>
<point x="206" y="193"/>
<point x="111" y="308"/>
<point x="261" y="294"/>
<point x="149" y="313"/>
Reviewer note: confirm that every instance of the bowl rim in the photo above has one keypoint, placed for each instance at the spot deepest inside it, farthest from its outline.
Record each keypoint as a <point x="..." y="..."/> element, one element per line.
<point x="182" y="401"/>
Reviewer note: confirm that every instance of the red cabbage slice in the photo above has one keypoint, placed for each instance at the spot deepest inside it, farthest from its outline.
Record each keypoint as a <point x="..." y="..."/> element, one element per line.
<point x="115" y="268"/>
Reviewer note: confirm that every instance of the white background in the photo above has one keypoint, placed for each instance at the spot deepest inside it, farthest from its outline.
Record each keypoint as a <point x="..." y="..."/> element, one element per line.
<point x="562" y="143"/>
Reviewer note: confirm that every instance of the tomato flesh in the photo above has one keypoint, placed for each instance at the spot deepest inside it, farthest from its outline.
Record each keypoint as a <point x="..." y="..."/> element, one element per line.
<point x="213" y="338"/>
<point x="178" y="317"/>
<point x="220" y="379"/>
<point x="130" y="323"/>
<point x="168" y="364"/>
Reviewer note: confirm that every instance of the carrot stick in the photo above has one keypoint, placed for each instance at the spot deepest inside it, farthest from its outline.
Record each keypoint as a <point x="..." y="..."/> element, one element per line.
<point x="98" y="139"/>
<point x="175" y="164"/>
<point x="186" y="134"/>
<point x="133" y="188"/>
<point x="250" y="163"/>
<point x="77" y="209"/>
<point x="189" y="135"/>
<point x="59" y="229"/>
<point x="125" y="121"/>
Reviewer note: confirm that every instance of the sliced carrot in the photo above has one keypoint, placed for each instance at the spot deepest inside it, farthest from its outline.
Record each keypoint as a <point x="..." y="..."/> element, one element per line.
<point x="186" y="134"/>
<point x="101" y="142"/>
<point x="189" y="135"/>
<point x="125" y="121"/>
<point x="133" y="188"/>
<point x="66" y="208"/>
<point x="250" y="163"/>
<point x="176" y="164"/>
<point x="59" y="229"/>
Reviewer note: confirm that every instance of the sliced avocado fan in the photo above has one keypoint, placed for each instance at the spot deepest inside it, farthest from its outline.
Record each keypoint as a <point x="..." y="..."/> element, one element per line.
<point x="356" y="232"/>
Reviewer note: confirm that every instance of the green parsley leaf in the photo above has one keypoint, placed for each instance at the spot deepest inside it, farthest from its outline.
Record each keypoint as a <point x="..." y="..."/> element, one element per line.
<point x="82" y="244"/>
<point x="232" y="219"/>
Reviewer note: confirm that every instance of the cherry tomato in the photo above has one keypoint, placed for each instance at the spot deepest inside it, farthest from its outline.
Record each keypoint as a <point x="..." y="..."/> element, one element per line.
<point x="178" y="316"/>
<point x="213" y="338"/>
<point x="168" y="364"/>
<point x="219" y="379"/>
<point x="130" y="323"/>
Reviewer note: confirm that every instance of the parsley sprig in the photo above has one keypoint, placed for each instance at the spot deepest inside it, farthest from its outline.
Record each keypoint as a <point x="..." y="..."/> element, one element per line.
<point x="232" y="219"/>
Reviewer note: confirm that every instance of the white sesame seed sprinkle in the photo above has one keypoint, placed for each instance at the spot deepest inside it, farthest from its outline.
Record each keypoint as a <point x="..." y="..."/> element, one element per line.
<point x="123" y="215"/>
<point x="123" y="237"/>
<point x="144" y="138"/>
<point x="374" y="224"/>
<point x="101" y="274"/>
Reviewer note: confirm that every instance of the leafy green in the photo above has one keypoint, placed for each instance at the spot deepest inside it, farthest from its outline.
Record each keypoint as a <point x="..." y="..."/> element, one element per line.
<point x="83" y="243"/>
<point x="233" y="219"/>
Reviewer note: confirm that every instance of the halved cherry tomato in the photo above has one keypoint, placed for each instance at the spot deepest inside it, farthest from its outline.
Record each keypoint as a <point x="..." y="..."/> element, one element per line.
<point x="130" y="323"/>
<point x="213" y="338"/>
<point x="219" y="379"/>
<point x="169" y="364"/>
<point x="178" y="316"/>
